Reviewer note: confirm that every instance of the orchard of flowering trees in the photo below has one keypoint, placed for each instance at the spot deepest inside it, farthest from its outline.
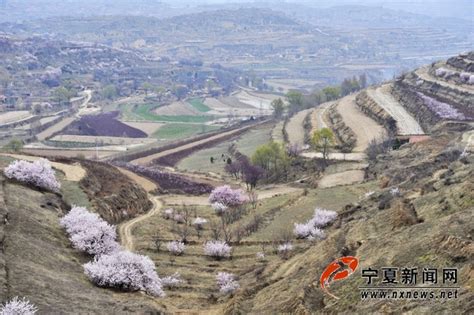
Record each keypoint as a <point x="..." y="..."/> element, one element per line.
<point x="38" y="173"/>
<point x="443" y="110"/>
<point x="312" y="229"/>
<point x="17" y="306"/>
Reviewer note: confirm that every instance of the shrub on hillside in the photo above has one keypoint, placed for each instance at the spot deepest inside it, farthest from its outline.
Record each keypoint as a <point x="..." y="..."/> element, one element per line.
<point x="307" y="230"/>
<point x="90" y="233"/>
<point x="228" y="196"/>
<point x="199" y="223"/>
<point x="226" y="283"/>
<point x="168" y="214"/>
<point x="323" y="217"/>
<point x="17" y="306"/>
<point x="125" y="271"/>
<point x="171" y="281"/>
<point x="176" y="248"/>
<point x="217" y="249"/>
<point x="285" y="249"/>
<point x="38" y="173"/>
<point x="311" y="230"/>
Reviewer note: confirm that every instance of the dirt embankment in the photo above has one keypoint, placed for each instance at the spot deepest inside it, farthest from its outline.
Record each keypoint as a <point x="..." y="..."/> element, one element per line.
<point x="406" y="95"/>
<point x="460" y="97"/>
<point x="406" y="123"/>
<point x="114" y="195"/>
<point x="346" y="137"/>
<point x="365" y="128"/>
<point x="368" y="106"/>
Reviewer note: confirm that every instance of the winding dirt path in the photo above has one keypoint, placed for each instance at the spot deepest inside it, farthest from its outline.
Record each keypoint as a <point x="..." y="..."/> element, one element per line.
<point x="125" y="230"/>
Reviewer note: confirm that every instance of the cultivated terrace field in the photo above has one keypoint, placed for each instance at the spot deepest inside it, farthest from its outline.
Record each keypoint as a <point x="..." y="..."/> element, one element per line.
<point x="223" y="160"/>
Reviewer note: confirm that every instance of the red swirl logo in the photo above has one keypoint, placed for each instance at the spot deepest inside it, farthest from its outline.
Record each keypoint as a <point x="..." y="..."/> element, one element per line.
<point x="339" y="269"/>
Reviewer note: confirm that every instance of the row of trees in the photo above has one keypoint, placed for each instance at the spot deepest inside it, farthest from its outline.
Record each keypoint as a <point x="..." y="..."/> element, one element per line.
<point x="298" y="101"/>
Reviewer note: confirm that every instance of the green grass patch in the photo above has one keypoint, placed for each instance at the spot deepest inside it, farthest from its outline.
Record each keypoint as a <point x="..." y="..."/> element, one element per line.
<point x="250" y="141"/>
<point x="144" y="112"/>
<point x="199" y="105"/>
<point x="174" y="131"/>
<point x="199" y="161"/>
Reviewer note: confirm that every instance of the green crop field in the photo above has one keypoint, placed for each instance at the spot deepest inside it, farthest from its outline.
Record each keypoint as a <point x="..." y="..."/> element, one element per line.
<point x="144" y="112"/>
<point x="174" y="131"/>
<point x="199" y="105"/>
<point x="250" y="141"/>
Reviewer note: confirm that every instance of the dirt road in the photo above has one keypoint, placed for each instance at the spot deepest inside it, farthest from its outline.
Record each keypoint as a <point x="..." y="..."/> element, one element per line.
<point x="125" y="230"/>
<point x="317" y="117"/>
<point x="63" y="123"/>
<point x="364" y="127"/>
<point x="406" y="123"/>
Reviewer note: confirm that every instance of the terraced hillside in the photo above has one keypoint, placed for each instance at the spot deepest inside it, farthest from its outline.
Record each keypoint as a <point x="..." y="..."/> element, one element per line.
<point x="406" y="207"/>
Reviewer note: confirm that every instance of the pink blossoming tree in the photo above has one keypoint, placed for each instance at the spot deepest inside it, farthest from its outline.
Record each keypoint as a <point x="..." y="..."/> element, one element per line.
<point x="38" y="173"/>
<point x="17" y="306"/>
<point x="125" y="271"/>
<point x="90" y="233"/>
<point x="226" y="283"/>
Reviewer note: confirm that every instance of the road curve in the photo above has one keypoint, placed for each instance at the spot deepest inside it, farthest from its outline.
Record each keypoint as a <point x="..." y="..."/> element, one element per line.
<point x="125" y="230"/>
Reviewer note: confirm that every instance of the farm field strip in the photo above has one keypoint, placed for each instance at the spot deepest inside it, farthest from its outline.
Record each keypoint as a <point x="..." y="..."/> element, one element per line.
<point x="90" y="154"/>
<point x="150" y="158"/>
<point x="173" y="131"/>
<point x="147" y="127"/>
<point x="42" y="121"/>
<point x="63" y="123"/>
<point x="295" y="129"/>
<point x="365" y="128"/>
<point x="423" y="74"/>
<point x="406" y="123"/>
<point x="343" y="178"/>
<point x="103" y="140"/>
<point x="277" y="132"/>
<point x="199" y="105"/>
<point x="176" y="108"/>
<point x="145" y="112"/>
<point x="14" y="116"/>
